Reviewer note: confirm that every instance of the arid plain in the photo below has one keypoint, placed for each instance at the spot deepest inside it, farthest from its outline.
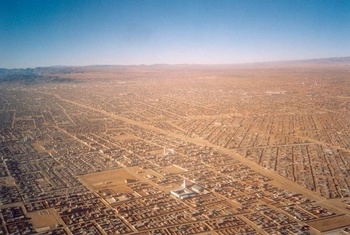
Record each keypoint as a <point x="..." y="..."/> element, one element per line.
<point x="176" y="149"/>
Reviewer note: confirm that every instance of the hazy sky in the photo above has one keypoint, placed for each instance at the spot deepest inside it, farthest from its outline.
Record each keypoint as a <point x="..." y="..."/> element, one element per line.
<point x="85" y="32"/>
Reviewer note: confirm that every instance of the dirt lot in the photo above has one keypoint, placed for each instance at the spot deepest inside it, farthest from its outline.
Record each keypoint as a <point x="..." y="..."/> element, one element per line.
<point x="121" y="189"/>
<point x="45" y="218"/>
<point x="106" y="178"/>
<point x="331" y="223"/>
<point x="172" y="170"/>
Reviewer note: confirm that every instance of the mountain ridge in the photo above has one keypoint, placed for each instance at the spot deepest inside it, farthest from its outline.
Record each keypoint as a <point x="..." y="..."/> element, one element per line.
<point x="66" y="69"/>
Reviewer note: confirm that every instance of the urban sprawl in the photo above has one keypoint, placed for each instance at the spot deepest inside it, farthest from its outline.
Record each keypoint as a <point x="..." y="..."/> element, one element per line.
<point x="255" y="149"/>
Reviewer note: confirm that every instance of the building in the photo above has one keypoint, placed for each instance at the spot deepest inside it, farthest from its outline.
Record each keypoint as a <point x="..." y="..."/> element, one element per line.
<point x="187" y="190"/>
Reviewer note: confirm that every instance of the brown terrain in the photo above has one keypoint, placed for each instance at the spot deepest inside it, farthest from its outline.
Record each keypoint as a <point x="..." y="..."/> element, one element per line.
<point x="264" y="149"/>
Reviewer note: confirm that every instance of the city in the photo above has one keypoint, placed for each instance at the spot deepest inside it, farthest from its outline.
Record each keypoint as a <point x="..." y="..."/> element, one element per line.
<point x="176" y="149"/>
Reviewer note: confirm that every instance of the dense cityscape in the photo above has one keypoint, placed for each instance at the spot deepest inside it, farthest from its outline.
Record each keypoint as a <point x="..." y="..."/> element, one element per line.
<point x="230" y="149"/>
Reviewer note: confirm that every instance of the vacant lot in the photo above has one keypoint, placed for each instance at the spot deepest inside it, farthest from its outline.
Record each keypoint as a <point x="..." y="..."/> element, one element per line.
<point x="45" y="218"/>
<point x="331" y="223"/>
<point x="106" y="178"/>
<point x="172" y="169"/>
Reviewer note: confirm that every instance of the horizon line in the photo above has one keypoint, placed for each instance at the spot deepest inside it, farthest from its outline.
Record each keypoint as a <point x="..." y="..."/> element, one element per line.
<point x="184" y="64"/>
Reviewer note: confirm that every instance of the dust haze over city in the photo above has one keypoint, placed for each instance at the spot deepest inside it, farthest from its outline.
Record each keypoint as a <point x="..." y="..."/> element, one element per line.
<point x="175" y="117"/>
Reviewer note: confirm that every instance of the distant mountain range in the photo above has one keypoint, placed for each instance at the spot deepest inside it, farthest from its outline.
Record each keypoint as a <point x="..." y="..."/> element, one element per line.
<point x="37" y="70"/>
<point x="318" y="60"/>
<point x="32" y="78"/>
<point x="81" y="69"/>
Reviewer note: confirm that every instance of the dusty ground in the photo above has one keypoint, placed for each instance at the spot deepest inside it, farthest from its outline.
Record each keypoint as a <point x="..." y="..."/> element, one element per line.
<point x="121" y="189"/>
<point x="124" y="137"/>
<point x="7" y="181"/>
<point x="331" y="223"/>
<point x="106" y="178"/>
<point x="172" y="170"/>
<point x="45" y="218"/>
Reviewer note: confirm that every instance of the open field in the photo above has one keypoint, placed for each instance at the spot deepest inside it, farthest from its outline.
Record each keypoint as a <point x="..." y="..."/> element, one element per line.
<point x="45" y="218"/>
<point x="172" y="170"/>
<point x="106" y="178"/>
<point x="330" y="224"/>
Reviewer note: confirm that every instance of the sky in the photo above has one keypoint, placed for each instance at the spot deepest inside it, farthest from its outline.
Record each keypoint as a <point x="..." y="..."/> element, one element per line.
<point x="35" y="33"/>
